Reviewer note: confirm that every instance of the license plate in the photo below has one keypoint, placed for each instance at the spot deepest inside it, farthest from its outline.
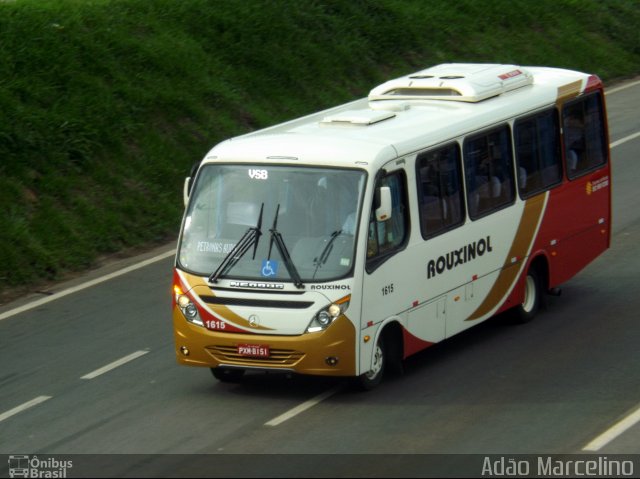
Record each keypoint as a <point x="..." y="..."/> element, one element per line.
<point x="254" y="350"/>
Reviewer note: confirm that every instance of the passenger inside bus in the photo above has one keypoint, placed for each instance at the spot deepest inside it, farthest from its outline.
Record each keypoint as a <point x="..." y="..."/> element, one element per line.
<point x="574" y="139"/>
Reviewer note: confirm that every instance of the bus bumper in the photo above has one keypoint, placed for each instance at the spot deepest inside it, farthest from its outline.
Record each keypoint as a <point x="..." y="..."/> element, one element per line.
<point x="331" y="352"/>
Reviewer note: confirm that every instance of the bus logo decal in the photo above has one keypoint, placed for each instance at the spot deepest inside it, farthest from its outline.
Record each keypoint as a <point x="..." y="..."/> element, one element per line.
<point x="593" y="186"/>
<point x="254" y="321"/>
<point x="256" y="285"/>
<point x="459" y="256"/>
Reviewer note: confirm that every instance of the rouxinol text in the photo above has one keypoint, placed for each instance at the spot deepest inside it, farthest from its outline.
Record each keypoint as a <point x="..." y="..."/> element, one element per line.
<point x="459" y="256"/>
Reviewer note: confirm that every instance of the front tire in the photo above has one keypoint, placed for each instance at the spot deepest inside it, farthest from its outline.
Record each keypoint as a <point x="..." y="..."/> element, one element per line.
<point x="372" y="378"/>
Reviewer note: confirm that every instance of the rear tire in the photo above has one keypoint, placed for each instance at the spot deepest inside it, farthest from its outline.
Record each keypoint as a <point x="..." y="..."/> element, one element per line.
<point x="227" y="375"/>
<point x="532" y="300"/>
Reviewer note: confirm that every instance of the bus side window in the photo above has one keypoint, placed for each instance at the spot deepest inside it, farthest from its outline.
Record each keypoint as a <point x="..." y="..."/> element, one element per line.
<point x="440" y="194"/>
<point x="538" y="162"/>
<point x="583" y="135"/>
<point x="488" y="166"/>
<point x="386" y="237"/>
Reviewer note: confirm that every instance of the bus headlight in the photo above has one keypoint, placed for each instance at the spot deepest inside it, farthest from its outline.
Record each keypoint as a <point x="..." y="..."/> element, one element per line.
<point x="324" y="318"/>
<point x="327" y="315"/>
<point x="189" y="310"/>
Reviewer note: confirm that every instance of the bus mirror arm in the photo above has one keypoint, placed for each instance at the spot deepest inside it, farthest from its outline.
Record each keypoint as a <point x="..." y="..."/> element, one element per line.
<point x="382" y="203"/>
<point x="188" y="182"/>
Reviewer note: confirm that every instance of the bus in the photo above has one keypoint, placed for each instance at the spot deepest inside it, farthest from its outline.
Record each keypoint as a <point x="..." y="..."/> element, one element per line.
<point x="18" y="465"/>
<point x="342" y="242"/>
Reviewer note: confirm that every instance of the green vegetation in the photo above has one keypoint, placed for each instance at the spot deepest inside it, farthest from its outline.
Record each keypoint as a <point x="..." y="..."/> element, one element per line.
<point x="105" y="104"/>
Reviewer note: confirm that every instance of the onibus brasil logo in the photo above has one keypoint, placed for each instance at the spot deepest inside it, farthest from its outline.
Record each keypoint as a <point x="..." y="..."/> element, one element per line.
<point x="31" y="466"/>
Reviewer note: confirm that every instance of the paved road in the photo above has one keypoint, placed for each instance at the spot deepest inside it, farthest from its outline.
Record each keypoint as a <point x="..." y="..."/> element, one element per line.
<point x="569" y="382"/>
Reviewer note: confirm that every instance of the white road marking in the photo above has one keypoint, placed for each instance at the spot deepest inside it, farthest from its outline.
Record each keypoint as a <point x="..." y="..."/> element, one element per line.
<point x="113" y="365"/>
<point x="88" y="284"/>
<point x="614" y="431"/>
<point x="623" y="87"/>
<point x="23" y="407"/>
<point x="633" y="136"/>
<point x="302" y="407"/>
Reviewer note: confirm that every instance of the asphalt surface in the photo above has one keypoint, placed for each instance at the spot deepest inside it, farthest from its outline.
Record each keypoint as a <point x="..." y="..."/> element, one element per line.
<point x="557" y="385"/>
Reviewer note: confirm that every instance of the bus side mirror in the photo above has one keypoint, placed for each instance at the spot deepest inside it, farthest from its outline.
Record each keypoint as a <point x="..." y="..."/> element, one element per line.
<point x="186" y="189"/>
<point x="383" y="204"/>
<point x="188" y="182"/>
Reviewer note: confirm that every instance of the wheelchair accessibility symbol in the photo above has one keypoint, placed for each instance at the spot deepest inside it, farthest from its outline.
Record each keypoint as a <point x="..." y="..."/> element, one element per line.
<point x="269" y="268"/>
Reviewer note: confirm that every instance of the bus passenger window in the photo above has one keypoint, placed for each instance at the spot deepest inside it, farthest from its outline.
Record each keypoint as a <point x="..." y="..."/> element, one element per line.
<point x="439" y="175"/>
<point x="385" y="237"/>
<point x="583" y="135"/>
<point x="489" y="172"/>
<point x="538" y="162"/>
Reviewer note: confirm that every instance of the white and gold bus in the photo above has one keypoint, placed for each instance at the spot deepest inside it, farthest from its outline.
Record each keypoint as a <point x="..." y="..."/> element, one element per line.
<point x="342" y="242"/>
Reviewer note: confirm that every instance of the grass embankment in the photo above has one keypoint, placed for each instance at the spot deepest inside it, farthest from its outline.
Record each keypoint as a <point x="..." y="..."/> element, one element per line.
<point x="105" y="104"/>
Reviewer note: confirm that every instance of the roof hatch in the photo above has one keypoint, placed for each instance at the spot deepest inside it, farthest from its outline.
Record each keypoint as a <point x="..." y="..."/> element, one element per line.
<point x="358" y="117"/>
<point x="454" y="81"/>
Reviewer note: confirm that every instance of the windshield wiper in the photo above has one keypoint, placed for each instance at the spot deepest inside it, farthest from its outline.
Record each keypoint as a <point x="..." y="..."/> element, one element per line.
<point x="276" y="238"/>
<point x="324" y="256"/>
<point x="250" y="238"/>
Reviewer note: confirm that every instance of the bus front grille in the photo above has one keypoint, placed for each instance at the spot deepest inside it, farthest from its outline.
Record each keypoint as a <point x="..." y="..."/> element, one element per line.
<point x="277" y="357"/>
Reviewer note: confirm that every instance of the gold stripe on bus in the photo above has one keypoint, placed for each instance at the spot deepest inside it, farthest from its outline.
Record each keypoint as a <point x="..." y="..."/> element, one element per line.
<point x="220" y="309"/>
<point x="569" y="91"/>
<point x="533" y="209"/>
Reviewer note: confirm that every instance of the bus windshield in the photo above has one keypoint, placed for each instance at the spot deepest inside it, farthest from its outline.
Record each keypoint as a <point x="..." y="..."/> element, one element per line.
<point x="301" y="222"/>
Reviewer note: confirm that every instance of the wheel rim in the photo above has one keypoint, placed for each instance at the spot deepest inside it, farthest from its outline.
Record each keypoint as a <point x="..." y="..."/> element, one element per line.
<point x="378" y="358"/>
<point x="529" y="294"/>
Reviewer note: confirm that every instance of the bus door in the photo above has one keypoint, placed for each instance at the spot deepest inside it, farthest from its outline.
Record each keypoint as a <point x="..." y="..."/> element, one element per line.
<point x="391" y="274"/>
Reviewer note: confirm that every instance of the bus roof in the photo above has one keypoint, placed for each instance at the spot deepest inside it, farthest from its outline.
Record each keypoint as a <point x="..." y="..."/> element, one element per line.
<point x="406" y="115"/>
